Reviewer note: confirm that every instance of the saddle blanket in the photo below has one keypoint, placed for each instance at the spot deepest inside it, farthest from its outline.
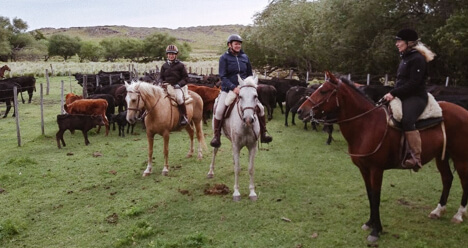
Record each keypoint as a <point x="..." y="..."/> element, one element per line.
<point x="432" y="109"/>
<point x="171" y="91"/>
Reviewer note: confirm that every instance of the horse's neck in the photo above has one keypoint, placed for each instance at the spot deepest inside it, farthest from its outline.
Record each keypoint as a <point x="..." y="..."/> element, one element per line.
<point x="358" y="118"/>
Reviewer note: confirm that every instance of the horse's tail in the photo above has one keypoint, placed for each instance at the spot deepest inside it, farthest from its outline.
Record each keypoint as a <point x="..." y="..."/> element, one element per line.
<point x="200" y="134"/>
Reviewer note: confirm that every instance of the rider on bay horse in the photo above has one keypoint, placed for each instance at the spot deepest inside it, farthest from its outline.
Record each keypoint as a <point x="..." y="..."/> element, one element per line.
<point x="174" y="73"/>
<point x="410" y="89"/>
<point x="232" y="63"/>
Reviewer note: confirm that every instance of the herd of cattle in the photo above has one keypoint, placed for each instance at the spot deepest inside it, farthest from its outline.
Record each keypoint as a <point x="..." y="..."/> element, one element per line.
<point x="106" y="92"/>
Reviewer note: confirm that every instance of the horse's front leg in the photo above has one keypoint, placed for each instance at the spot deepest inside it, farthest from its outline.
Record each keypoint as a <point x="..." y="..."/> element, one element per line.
<point x="149" y="167"/>
<point x="235" y="153"/>
<point x="212" y="165"/>
<point x="462" y="170"/>
<point x="447" y="179"/>
<point x="252" y="152"/>
<point x="373" y="181"/>
<point x="165" y="170"/>
<point x="190" y="133"/>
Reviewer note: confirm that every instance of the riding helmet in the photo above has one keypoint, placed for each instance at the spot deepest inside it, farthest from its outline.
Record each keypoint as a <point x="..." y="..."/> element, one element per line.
<point x="407" y="34"/>
<point x="234" y="37"/>
<point x="172" y="49"/>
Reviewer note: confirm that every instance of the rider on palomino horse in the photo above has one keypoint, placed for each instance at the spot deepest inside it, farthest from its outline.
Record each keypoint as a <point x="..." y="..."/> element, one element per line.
<point x="174" y="73"/>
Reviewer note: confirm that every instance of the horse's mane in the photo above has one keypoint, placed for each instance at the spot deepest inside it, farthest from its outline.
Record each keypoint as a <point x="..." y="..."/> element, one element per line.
<point x="147" y="88"/>
<point x="348" y="82"/>
<point x="249" y="81"/>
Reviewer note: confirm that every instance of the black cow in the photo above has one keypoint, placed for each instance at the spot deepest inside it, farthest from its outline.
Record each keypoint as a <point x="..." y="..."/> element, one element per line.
<point x="28" y="83"/>
<point x="6" y="93"/>
<point x="460" y="100"/>
<point x="121" y="120"/>
<point x="375" y="92"/>
<point x="282" y="86"/>
<point x="267" y="96"/>
<point x="76" y="122"/>
<point x="295" y="96"/>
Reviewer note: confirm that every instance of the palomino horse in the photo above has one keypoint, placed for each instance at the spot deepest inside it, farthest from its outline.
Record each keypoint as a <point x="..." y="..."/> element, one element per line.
<point x="161" y="117"/>
<point x="377" y="150"/>
<point x="3" y="69"/>
<point x="242" y="129"/>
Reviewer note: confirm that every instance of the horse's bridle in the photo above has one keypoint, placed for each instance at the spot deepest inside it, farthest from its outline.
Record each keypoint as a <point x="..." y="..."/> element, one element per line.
<point x="240" y="110"/>
<point x="335" y="121"/>
<point x="137" y="110"/>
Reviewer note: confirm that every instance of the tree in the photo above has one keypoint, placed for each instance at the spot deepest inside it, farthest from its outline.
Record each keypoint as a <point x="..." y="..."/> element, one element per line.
<point x="154" y="47"/>
<point x="90" y="50"/>
<point x="111" y="48"/>
<point x="132" y="49"/>
<point x="63" y="46"/>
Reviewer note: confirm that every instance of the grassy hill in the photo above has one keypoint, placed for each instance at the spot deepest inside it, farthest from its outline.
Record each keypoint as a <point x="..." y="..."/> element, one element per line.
<point x="203" y="39"/>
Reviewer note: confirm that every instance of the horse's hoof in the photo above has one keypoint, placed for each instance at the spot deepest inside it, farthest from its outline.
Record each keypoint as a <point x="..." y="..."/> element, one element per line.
<point x="236" y="198"/>
<point x="253" y="197"/>
<point x="165" y="173"/>
<point x="188" y="156"/>
<point x="434" y="216"/>
<point x="209" y="176"/>
<point x="457" y="220"/>
<point x="372" y="239"/>
<point x="365" y="227"/>
<point x="146" y="174"/>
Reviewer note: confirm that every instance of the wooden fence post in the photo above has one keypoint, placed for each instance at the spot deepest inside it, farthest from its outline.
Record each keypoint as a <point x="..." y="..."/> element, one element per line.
<point x="15" y="103"/>
<point x="41" y="88"/>
<point x="61" y="98"/>
<point x="368" y="78"/>
<point x="85" y="86"/>
<point x="446" y="81"/>
<point x="48" y="83"/>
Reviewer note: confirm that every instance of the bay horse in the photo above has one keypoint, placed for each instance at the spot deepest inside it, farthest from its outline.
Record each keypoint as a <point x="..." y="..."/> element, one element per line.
<point x="161" y="117"/>
<point x="3" y="69"/>
<point x="242" y="128"/>
<point x="375" y="151"/>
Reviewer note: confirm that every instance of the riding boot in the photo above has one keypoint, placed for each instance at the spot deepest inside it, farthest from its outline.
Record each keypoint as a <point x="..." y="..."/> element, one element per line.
<point x="414" y="142"/>
<point x="216" y="141"/>
<point x="183" y="115"/>
<point x="264" y="138"/>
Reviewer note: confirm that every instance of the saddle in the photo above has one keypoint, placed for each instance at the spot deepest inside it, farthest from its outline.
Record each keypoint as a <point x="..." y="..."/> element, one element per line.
<point x="171" y="93"/>
<point x="431" y="116"/>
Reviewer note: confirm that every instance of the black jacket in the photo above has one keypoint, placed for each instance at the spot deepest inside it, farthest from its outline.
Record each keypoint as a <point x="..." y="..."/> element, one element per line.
<point x="411" y="76"/>
<point x="174" y="73"/>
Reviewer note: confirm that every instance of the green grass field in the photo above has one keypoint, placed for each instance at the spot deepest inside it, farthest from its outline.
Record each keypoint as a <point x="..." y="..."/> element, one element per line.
<point x="71" y="197"/>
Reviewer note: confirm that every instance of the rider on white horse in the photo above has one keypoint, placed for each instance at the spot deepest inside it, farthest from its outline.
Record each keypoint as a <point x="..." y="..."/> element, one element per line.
<point x="232" y="63"/>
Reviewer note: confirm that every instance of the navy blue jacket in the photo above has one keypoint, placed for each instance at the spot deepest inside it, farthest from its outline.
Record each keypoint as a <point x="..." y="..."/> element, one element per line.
<point x="411" y="76"/>
<point x="229" y="66"/>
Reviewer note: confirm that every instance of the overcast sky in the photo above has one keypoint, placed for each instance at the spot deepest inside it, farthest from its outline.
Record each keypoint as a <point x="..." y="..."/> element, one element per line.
<point x="135" y="13"/>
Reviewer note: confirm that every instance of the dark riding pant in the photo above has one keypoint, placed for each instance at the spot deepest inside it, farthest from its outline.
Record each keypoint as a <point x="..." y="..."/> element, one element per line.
<point x="412" y="108"/>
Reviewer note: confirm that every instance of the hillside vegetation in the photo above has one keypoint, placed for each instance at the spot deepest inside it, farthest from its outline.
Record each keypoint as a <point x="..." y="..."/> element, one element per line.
<point x="202" y="39"/>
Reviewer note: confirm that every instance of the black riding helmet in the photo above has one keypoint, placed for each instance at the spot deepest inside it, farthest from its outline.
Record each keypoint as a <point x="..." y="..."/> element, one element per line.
<point x="234" y="37"/>
<point x="407" y="34"/>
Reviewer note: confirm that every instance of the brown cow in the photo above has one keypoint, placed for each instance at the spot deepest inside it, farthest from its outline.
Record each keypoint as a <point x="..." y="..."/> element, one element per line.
<point x="208" y="96"/>
<point x="89" y="107"/>
<point x="71" y="97"/>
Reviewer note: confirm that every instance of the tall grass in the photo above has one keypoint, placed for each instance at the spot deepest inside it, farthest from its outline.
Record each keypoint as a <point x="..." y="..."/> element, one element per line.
<point x="310" y="194"/>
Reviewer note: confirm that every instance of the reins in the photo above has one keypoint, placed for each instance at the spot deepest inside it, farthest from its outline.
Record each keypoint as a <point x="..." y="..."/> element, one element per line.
<point x="240" y="110"/>
<point x="379" y="104"/>
<point x="138" y="103"/>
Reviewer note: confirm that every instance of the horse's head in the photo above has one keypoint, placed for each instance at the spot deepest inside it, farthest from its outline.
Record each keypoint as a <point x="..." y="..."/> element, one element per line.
<point x="321" y="102"/>
<point x="248" y="98"/>
<point x="6" y="68"/>
<point x="134" y="102"/>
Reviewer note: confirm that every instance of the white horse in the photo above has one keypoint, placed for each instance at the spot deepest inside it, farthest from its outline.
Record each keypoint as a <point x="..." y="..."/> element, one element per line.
<point x="242" y="129"/>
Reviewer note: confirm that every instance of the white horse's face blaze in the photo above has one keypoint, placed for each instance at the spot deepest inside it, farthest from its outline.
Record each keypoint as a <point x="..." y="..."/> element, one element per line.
<point x="134" y="104"/>
<point x="248" y="99"/>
